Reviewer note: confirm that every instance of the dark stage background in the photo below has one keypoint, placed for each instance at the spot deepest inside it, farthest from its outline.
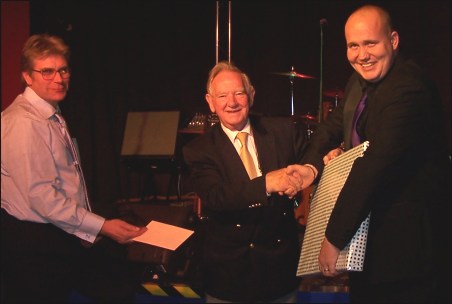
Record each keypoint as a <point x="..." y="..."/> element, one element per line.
<point x="155" y="56"/>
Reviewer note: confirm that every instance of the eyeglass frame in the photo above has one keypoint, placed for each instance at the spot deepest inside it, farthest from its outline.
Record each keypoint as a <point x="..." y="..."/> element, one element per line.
<point x="63" y="75"/>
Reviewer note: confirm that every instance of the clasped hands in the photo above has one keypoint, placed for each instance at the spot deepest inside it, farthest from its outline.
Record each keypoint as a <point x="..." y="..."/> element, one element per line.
<point x="290" y="180"/>
<point x="294" y="178"/>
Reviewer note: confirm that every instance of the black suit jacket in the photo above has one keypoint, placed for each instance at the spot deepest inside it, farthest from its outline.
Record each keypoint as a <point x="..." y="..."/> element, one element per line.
<point x="251" y="247"/>
<point x="403" y="180"/>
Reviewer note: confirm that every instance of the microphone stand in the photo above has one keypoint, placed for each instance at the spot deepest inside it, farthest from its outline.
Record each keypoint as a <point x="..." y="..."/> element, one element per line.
<point x="322" y="21"/>
<point x="291" y="78"/>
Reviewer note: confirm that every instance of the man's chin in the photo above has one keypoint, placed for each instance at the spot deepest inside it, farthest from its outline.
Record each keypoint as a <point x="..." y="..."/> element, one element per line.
<point x="57" y="100"/>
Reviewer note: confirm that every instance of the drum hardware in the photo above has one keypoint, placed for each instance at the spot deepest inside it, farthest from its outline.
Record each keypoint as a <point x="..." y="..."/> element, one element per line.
<point x="309" y="130"/>
<point x="328" y="108"/>
<point x="307" y="121"/>
<point x="336" y="94"/>
<point x="292" y="75"/>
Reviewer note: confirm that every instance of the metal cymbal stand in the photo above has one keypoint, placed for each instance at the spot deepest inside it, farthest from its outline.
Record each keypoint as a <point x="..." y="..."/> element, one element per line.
<point x="291" y="79"/>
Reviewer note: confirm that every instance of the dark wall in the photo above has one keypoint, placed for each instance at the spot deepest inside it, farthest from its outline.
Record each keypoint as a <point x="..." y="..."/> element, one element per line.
<point x="155" y="55"/>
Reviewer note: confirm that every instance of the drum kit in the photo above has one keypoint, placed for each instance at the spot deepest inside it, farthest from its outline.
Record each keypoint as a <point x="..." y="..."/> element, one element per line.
<point x="292" y="74"/>
<point x="308" y="120"/>
<point x="333" y="97"/>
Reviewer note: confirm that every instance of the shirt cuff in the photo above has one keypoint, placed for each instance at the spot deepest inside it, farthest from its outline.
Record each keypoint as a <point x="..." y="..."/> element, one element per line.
<point x="314" y="170"/>
<point x="90" y="227"/>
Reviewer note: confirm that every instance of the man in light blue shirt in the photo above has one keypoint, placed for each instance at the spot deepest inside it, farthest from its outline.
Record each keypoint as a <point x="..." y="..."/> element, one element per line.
<point x="46" y="213"/>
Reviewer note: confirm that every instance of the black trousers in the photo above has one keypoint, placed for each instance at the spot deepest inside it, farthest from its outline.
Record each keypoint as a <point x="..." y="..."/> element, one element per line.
<point x="41" y="263"/>
<point x="423" y="289"/>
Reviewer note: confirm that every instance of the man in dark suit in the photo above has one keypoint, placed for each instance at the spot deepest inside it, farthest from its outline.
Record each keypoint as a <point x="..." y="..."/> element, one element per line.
<point x="251" y="247"/>
<point x="403" y="179"/>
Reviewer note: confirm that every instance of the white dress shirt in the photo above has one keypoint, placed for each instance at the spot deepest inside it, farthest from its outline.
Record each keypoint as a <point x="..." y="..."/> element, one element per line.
<point x="39" y="182"/>
<point x="250" y="143"/>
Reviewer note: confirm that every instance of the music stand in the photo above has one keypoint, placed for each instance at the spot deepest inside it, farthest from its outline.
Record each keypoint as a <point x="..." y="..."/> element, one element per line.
<point x="149" y="143"/>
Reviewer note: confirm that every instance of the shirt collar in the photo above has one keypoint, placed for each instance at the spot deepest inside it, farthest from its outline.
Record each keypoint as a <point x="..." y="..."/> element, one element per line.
<point x="233" y="134"/>
<point x="43" y="107"/>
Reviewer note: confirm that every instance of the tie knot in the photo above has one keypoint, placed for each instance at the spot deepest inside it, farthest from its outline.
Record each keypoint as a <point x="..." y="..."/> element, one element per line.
<point x="242" y="136"/>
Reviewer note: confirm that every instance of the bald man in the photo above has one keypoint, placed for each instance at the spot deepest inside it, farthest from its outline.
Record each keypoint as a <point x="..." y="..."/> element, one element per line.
<point x="402" y="180"/>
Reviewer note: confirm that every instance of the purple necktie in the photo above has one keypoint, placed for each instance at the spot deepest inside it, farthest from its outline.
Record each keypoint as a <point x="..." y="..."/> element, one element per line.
<point x="73" y="150"/>
<point x="359" y="109"/>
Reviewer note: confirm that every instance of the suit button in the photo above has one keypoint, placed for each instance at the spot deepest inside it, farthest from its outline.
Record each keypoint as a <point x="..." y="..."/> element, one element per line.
<point x="238" y="225"/>
<point x="251" y="245"/>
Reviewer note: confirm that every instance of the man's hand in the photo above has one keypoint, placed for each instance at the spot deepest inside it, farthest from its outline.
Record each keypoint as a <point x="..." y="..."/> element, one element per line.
<point x="332" y="155"/>
<point x="304" y="173"/>
<point x="121" y="231"/>
<point x="327" y="258"/>
<point x="283" y="183"/>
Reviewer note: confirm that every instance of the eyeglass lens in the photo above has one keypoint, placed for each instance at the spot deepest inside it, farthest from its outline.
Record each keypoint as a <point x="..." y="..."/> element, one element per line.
<point x="49" y="73"/>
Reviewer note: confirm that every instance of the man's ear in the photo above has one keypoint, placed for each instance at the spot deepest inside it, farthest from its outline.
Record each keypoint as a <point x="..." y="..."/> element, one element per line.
<point x="27" y="78"/>
<point x="251" y="96"/>
<point x="394" y="40"/>
<point x="210" y="103"/>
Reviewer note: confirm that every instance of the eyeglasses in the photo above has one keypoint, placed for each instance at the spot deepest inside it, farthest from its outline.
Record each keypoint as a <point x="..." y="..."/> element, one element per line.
<point x="49" y="74"/>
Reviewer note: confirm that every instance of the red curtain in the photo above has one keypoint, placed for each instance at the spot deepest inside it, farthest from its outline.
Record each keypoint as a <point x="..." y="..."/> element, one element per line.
<point x="15" y="31"/>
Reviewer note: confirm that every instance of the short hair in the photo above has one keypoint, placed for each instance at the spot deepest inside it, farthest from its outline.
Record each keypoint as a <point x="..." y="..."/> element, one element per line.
<point x="42" y="46"/>
<point x="384" y="15"/>
<point x="228" y="66"/>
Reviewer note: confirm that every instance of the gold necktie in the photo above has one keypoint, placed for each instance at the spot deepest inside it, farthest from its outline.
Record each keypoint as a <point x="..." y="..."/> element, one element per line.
<point x="245" y="155"/>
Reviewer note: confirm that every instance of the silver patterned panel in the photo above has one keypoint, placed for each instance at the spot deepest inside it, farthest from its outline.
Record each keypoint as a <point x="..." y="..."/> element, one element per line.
<point x="351" y="258"/>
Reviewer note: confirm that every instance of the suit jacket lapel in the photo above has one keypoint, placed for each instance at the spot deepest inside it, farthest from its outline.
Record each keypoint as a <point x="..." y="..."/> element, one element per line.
<point x="265" y="145"/>
<point x="349" y="110"/>
<point x="229" y="155"/>
<point x="266" y="148"/>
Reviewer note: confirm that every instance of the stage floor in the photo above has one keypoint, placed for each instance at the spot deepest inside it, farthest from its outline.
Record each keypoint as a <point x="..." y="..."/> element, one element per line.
<point x="312" y="290"/>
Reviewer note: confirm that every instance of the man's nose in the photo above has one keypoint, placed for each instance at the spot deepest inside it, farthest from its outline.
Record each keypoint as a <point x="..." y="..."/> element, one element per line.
<point x="58" y="77"/>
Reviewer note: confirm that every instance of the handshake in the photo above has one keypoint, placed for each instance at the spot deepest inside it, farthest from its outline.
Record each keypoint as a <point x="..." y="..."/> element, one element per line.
<point x="290" y="180"/>
<point x="294" y="178"/>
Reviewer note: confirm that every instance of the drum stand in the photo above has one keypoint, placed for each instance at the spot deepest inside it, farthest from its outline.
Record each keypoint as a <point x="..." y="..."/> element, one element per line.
<point x="291" y="78"/>
<point x="292" y="75"/>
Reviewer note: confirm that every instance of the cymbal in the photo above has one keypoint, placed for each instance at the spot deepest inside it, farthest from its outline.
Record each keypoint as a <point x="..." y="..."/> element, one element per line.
<point x="294" y="74"/>
<point x="333" y="93"/>
<point x="309" y="117"/>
